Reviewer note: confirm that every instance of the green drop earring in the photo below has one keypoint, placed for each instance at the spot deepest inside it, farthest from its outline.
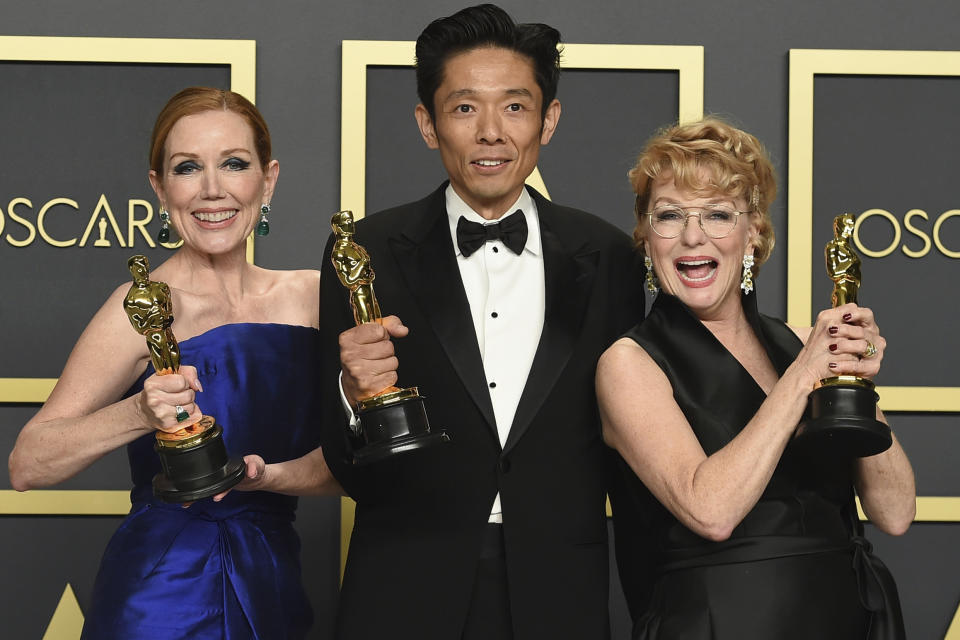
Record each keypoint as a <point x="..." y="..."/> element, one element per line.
<point x="164" y="234"/>
<point x="263" y="227"/>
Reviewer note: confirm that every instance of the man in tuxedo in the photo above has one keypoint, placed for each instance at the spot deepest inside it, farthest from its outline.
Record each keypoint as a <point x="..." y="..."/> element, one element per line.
<point x="503" y="302"/>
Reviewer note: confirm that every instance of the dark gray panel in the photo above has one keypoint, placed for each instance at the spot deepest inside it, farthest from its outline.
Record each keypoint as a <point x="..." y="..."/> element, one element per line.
<point x="889" y="143"/>
<point x="586" y="162"/>
<point x="931" y="440"/>
<point x="924" y="563"/>
<point x="400" y="167"/>
<point x="74" y="131"/>
<point x="48" y="552"/>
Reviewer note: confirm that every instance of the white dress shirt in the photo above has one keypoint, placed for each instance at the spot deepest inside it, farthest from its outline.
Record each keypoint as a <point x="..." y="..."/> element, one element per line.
<point x="506" y="296"/>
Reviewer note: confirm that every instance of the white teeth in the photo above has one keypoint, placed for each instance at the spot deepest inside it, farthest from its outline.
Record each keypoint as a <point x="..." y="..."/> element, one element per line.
<point x="489" y="163"/>
<point x="696" y="263"/>
<point x="218" y="216"/>
<point x="684" y="276"/>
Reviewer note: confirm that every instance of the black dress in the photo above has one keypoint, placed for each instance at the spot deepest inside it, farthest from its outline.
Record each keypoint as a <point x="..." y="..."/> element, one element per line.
<point x="797" y="566"/>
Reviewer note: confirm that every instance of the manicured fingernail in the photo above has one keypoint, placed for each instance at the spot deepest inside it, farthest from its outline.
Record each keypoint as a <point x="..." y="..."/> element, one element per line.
<point x="199" y="387"/>
<point x="832" y="365"/>
<point x="833" y="347"/>
<point x="833" y="330"/>
<point x="847" y="316"/>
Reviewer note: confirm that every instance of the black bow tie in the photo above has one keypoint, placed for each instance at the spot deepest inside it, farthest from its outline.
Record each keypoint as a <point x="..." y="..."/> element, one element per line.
<point x="511" y="230"/>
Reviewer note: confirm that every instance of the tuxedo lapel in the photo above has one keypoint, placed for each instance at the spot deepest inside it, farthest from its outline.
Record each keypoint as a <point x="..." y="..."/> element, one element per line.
<point x="425" y="256"/>
<point x="568" y="279"/>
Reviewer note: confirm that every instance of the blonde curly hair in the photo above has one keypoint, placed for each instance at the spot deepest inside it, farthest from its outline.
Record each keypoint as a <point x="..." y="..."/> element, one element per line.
<point x="736" y="163"/>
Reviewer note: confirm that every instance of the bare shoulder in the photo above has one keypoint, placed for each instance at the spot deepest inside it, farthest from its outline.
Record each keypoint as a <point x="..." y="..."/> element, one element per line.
<point x="301" y="282"/>
<point x="296" y="296"/>
<point x="625" y="354"/>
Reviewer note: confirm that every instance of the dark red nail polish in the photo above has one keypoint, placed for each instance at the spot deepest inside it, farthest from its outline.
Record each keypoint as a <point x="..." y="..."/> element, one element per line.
<point x="833" y="330"/>
<point x="833" y="347"/>
<point x="832" y="365"/>
<point x="847" y="316"/>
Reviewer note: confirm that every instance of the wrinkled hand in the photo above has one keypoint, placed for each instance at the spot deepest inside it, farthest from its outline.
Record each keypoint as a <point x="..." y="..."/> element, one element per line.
<point x="367" y="358"/>
<point x="838" y="344"/>
<point x="157" y="403"/>
<point x="254" y="477"/>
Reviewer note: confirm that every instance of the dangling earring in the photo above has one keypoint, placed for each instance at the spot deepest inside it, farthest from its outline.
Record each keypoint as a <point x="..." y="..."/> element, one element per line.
<point x="263" y="227"/>
<point x="653" y="285"/>
<point x="164" y="234"/>
<point x="746" y="283"/>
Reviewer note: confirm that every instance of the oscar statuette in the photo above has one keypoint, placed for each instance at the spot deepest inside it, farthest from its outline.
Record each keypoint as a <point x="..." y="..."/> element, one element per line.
<point x="841" y="411"/>
<point x="394" y="419"/>
<point x="194" y="459"/>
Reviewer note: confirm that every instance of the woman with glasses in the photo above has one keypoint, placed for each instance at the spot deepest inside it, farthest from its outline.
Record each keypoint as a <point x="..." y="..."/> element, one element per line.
<point x="724" y="529"/>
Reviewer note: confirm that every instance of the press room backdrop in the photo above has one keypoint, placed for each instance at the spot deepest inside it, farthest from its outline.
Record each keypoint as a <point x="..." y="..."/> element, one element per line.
<point x="856" y="102"/>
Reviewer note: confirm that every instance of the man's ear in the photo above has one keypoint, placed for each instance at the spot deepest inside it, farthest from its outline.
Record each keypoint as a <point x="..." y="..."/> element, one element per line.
<point x="425" y="123"/>
<point x="550" y="120"/>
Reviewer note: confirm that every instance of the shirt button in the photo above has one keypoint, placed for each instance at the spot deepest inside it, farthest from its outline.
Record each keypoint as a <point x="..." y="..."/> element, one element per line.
<point x="495" y="249"/>
<point x="494" y="314"/>
<point x="493" y="385"/>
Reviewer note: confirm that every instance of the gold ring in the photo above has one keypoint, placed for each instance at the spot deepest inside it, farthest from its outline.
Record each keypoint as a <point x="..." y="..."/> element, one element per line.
<point x="870" y="351"/>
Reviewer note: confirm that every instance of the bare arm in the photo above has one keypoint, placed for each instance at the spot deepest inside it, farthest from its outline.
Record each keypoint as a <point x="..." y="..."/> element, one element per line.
<point x="84" y="418"/>
<point x="886" y="487"/>
<point x="307" y="475"/>
<point x="709" y="494"/>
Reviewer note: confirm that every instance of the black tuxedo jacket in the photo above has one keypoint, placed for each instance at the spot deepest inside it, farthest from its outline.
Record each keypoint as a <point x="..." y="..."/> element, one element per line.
<point x="420" y="516"/>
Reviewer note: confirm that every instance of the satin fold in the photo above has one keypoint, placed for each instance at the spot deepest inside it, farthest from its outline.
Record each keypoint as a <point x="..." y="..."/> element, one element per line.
<point x="227" y="570"/>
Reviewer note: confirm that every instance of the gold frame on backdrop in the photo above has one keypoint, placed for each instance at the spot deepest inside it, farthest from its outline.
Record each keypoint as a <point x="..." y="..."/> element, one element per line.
<point x="805" y="64"/>
<point x="358" y="55"/>
<point x="240" y="56"/>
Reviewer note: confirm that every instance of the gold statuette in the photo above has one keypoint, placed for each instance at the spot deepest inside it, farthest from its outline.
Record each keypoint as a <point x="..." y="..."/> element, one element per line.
<point x="393" y="420"/>
<point x="843" y="263"/>
<point x="194" y="459"/>
<point x="841" y="411"/>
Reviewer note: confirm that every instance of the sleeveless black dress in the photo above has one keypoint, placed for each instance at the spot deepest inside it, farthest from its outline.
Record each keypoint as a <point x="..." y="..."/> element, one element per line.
<point x="797" y="566"/>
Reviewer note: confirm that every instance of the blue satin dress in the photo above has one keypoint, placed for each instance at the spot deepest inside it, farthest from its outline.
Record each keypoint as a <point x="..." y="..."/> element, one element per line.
<point x="227" y="570"/>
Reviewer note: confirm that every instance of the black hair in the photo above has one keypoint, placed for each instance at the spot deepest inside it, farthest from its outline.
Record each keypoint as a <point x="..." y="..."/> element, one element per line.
<point x="482" y="26"/>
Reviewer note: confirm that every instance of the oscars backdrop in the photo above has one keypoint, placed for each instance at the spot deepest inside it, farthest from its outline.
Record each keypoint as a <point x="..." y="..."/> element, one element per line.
<point x="856" y="104"/>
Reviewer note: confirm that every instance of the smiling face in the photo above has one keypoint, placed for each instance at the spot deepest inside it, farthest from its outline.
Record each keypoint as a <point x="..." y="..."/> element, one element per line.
<point x="212" y="182"/>
<point x="703" y="272"/>
<point x="488" y="126"/>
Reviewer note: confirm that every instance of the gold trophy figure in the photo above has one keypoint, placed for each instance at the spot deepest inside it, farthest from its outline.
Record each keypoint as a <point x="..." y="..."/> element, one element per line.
<point x="194" y="459"/>
<point x="843" y="263"/>
<point x="393" y="420"/>
<point x="841" y="411"/>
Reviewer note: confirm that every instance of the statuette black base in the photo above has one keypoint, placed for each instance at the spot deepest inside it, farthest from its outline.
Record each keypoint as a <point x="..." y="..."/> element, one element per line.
<point x="394" y="425"/>
<point x="841" y="420"/>
<point x="196" y="471"/>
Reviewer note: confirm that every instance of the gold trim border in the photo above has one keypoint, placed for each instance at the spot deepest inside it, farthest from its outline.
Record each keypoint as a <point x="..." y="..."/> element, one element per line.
<point x="239" y="55"/>
<point x="357" y="55"/>
<point x="805" y="64"/>
<point x="58" y="502"/>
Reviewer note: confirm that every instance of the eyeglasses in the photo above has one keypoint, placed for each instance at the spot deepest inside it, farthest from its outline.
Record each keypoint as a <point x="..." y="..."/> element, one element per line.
<point x="716" y="221"/>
